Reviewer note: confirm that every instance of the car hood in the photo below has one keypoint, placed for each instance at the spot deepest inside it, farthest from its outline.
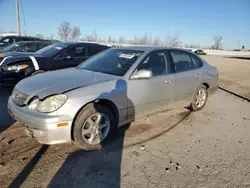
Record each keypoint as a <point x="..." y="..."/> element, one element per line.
<point x="11" y="58"/>
<point x="60" y="81"/>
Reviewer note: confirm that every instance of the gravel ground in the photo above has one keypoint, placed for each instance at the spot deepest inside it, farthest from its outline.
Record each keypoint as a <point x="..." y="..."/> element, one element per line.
<point x="175" y="148"/>
<point x="234" y="73"/>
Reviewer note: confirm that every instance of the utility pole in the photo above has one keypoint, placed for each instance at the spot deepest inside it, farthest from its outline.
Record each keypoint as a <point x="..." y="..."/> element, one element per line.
<point x="18" y="18"/>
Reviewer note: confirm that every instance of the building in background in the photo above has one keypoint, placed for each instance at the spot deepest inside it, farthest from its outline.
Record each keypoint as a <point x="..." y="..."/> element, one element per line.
<point x="3" y="34"/>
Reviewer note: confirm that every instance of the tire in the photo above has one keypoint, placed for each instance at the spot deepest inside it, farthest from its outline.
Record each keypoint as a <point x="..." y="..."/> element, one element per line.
<point x="199" y="103"/>
<point x="37" y="72"/>
<point x="86" y="127"/>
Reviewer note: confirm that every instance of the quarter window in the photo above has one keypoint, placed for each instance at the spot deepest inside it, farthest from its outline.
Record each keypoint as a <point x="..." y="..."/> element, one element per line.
<point x="184" y="61"/>
<point x="197" y="62"/>
<point x="157" y="63"/>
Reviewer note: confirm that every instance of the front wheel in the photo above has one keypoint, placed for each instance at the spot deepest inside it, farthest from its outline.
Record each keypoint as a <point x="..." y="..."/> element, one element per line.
<point x="199" y="99"/>
<point x="93" y="125"/>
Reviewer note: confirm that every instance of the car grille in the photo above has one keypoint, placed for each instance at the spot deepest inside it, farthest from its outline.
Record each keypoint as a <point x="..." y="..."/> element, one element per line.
<point x="19" y="97"/>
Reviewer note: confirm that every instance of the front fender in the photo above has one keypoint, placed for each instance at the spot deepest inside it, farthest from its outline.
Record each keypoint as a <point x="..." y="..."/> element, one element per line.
<point x="78" y="98"/>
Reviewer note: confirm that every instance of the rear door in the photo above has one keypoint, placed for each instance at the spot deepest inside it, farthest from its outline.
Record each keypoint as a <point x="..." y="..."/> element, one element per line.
<point x="188" y="75"/>
<point x="71" y="57"/>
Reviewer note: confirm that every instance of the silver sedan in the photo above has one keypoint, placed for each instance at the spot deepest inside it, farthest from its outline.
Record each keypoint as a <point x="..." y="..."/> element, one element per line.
<point x="87" y="103"/>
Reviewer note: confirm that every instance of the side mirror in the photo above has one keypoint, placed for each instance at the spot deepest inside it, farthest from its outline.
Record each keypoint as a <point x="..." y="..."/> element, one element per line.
<point x="142" y="74"/>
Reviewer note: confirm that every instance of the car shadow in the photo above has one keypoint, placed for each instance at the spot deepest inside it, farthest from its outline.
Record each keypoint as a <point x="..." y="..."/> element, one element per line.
<point x="98" y="168"/>
<point x="5" y="119"/>
<point x="238" y="57"/>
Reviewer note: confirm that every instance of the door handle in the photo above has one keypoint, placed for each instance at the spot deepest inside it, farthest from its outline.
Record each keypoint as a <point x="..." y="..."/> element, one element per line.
<point x="168" y="81"/>
<point x="197" y="76"/>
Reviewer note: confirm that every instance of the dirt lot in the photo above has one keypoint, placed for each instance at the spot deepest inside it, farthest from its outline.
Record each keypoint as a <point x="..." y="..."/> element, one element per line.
<point x="175" y="148"/>
<point x="234" y="73"/>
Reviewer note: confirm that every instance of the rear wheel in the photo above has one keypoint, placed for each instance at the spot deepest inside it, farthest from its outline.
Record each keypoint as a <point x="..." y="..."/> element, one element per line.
<point x="199" y="99"/>
<point x="93" y="125"/>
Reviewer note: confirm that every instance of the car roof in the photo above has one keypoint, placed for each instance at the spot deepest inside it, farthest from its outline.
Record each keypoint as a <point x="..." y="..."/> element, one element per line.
<point x="75" y="43"/>
<point x="151" y="48"/>
<point x="17" y="36"/>
<point x="25" y="42"/>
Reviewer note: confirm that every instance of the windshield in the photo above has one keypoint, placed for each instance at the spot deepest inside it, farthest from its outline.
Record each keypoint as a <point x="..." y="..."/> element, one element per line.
<point x="11" y="48"/>
<point x="51" y="50"/>
<point x="112" y="61"/>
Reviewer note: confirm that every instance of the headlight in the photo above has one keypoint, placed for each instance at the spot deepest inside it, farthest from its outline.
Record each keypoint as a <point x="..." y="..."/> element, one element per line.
<point x="52" y="103"/>
<point x="33" y="104"/>
<point x="16" y="67"/>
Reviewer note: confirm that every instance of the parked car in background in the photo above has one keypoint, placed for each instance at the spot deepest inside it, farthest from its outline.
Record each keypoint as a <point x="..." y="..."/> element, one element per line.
<point x="8" y="40"/>
<point x="87" y="103"/>
<point x="25" y="46"/>
<point x="16" y="66"/>
<point x="200" y="52"/>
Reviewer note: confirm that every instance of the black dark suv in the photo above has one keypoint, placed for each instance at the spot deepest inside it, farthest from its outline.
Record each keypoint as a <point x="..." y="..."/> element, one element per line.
<point x="8" y="40"/>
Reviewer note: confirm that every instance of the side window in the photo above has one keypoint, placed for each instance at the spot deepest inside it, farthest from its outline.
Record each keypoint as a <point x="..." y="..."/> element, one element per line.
<point x="157" y="63"/>
<point x="196" y="61"/>
<point x="8" y="41"/>
<point x="18" y="39"/>
<point x="41" y="45"/>
<point x="94" y="49"/>
<point x="30" y="47"/>
<point x="184" y="61"/>
<point x="78" y="51"/>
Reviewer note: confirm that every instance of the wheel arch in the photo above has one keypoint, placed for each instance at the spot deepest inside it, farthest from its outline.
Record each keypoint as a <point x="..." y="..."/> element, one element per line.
<point x="104" y="102"/>
<point x="206" y="84"/>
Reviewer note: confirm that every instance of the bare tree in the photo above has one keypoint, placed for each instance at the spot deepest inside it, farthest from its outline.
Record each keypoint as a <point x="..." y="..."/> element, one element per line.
<point x="217" y="42"/>
<point x="144" y="40"/>
<point x="109" y="39"/>
<point x="89" y="38"/>
<point x="50" y="37"/>
<point x="122" y="40"/>
<point x="157" y="41"/>
<point x="64" y="30"/>
<point x="173" y="41"/>
<point x="95" y="35"/>
<point x="112" y="40"/>
<point x="39" y="35"/>
<point x="76" y="33"/>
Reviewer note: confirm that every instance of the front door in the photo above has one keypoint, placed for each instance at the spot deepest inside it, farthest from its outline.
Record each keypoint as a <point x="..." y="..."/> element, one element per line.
<point x="71" y="57"/>
<point x="147" y="96"/>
